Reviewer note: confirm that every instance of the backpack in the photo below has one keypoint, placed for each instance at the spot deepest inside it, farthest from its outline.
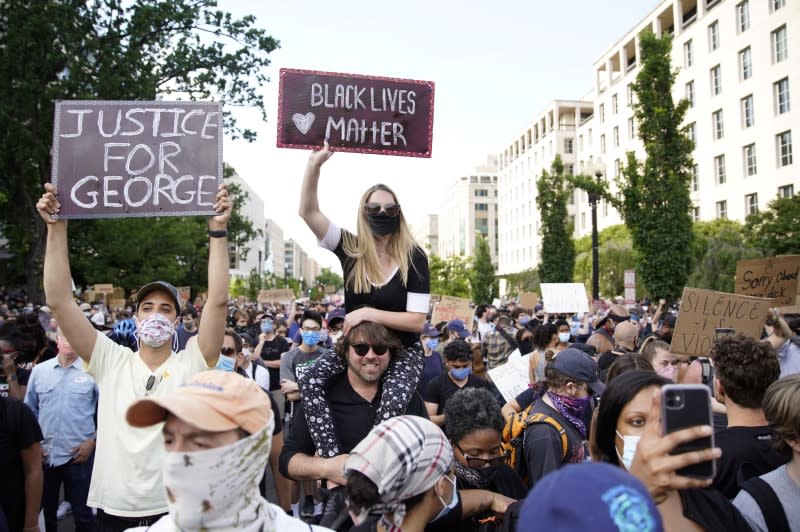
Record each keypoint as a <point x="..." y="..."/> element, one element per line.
<point x="514" y="438"/>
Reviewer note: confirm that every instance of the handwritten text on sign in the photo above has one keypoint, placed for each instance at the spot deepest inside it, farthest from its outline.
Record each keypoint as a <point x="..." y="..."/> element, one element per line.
<point x="136" y="158"/>
<point x="703" y="311"/>
<point x="775" y="278"/>
<point x="450" y="308"/>
<point x="355" y="113"/>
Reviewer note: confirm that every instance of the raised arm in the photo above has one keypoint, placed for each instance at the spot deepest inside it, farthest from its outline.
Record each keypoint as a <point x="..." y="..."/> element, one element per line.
<point x="212" y="326"/>
<point x="309" y="202"/>
<point x="58" y="280"/>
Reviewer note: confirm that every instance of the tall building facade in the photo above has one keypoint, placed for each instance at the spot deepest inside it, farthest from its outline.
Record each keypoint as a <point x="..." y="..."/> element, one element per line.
<point x="426" y="232"/>
<point x="244" y="256"/>
<point x="275" y="248"/>
<point x="469" y="208"/>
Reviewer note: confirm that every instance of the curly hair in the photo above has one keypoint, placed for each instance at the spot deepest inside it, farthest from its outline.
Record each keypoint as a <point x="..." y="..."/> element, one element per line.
<point x="470" y="410"/>
<point x="745" y="368"/>
<point x="457" y="349"/>
<point x="782" y="409"/>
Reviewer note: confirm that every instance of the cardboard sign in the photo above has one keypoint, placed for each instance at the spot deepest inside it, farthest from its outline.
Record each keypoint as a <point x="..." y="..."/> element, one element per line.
<point x="184" y="293"/>
<point x="511" y="378"/>
<point x="775" y="278"/>
<point x="630" y="287"/>
<point x="282" y="295"/>
<point x="564" y="298"/>
<point x="330" y="289"/>
<point x="365" y="114"/>
<point x="701" y="312"/>
<point x="528" y="300"/>
<point x="103" y="288"/>
<point x="136" y="158"/>
<point x="452" y="308"/>
<point x="116" y="303"/>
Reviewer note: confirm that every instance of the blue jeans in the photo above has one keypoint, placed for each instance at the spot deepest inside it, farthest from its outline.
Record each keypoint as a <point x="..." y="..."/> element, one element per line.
<point x="75" y="478"/>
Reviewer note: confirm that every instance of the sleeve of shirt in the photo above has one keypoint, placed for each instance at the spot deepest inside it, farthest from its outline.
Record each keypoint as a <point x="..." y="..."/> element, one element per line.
<point x="107" y="357"/>
<point x="419" y="284"/>
<point x="31" y="397"/>
<point x="416" y="407"/>
<point x="287" y="373"/>
<point x="276" y="415"/>
<point x="262" y="376"/>
<point x="193" y="355"/>
<point x="332" y="238"/>
<point x="431" y="394"/>
<point x="29" y="430"/>
<point x="296" y="440"/>
<point x="542" y="451"/>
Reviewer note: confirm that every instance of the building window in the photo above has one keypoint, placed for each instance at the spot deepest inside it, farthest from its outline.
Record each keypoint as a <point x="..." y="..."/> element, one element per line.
<point x="747" y="112"/>
<point x="782" y="96"/>
<point x="583" y="220"/>
<point x="481" y="192"/>
<point x="602" y="113"/>
<point x="616" y="136"/>
<point x="722" y="210"/>
<point x="713" y="36"/>
<point x="751" y="204"/>
<point x="745" y="64"/>
<point x="617" y="168"/>
<point x="786" y="191"/>
<point x="580" y="142"/>
<point x="602" y="144"/>
<point x="630" y="94"/>
<point x="631" y="128"/>
<point x="749" y="156"/>
<point x="695" y="179"/>
<point x="719" y="169"/>
<point x="743" y="16"/>
<point x="718" y="128"/>
<point x="690" y="93"/>
<point x="614" y="108"/>
<point x="568" y="145"/>
<point x="696" y="214"/>
<point x="688" y="57"/>
<point x="780" y="50"/>
<point x="481" y="207"/>
<point x="716" y="80"/>
<point x="691" y="132"/>
<point x="569" y="169"/>
<point x="784" y="148"/>
<point x="777" y="4"/>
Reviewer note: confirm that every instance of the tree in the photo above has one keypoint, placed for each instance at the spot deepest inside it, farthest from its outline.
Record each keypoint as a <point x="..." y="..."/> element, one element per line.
<point x="328" y="277"/>
<point x="558" y="252"/>
<point x="616" y="256"/>
<point x="450" y="276"/>
<point x="718" y="246"/>
<point x="524" y="281"/>
<point x="483" y="282"/>
<point x="115" y="50"/>
<point x="775" y="231"/>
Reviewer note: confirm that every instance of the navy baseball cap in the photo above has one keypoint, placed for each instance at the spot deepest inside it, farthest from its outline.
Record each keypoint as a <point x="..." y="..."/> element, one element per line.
<point x="458" y="326"/>
<point x="578" y="365"/>
<point x="164" y="287"/>
<point x="336" y="314"/>
<point x="602" y="498"/>
<point x="429" y="330"/>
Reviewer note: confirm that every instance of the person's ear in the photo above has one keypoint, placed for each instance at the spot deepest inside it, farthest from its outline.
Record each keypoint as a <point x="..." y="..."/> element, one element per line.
<point x="719" y="391"/>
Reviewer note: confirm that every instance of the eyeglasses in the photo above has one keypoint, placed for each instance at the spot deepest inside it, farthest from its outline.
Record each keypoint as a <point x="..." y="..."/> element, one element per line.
<point x="227" y="351"/>
<point x="479" y="463"/>
<point x="362" y="349"/>
<point x="391" y="209"/>
<point x="310" y="329"/>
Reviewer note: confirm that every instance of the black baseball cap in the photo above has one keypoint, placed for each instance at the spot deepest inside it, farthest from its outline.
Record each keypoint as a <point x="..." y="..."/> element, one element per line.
<point x="164" y="287"/>
<point x="578" y="365"/>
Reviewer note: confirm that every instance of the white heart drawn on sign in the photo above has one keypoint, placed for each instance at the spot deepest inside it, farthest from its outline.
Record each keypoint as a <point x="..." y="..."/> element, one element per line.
<point x="303" y="122"/>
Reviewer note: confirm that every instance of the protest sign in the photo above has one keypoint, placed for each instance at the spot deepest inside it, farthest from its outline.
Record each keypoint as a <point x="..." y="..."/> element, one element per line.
<point x="116" y="303"/>
<point x="528" y="300"/>
<point x="630" y="287"/>
<point x="774" y="278"/>
<point x="701" y="312"/>
<point x="330" y="289"/>
<point x="452" y="308"/>
<point x="280" y="295"/>
<point x="184" y="293"/>
<point x="564" y="298"/>
<point x="365" y="114"/>
<point x="511" y="378"/>
<point x="136" y="158"/>
<point x="103" y="288"/>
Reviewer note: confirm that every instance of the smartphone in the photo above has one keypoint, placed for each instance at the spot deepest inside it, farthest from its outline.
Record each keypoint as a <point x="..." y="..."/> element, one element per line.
<point x="684" y="406"/>
<point x="724" y="331"/>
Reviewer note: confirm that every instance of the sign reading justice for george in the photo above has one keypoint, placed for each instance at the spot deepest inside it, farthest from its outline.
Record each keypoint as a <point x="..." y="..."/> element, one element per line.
<point x="136" y="158"/>
<point x="366" y="114"/>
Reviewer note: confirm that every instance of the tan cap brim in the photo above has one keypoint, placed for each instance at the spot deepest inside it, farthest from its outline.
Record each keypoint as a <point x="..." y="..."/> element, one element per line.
<point x="193" y="410"/>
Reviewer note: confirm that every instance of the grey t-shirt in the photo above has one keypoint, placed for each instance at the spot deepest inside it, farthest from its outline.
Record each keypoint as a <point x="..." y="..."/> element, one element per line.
<point x="296" y="361"/>
<point x="787" y="491"/>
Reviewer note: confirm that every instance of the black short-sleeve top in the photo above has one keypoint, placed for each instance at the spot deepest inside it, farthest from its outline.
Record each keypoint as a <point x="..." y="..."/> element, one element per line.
<point x="392" y="296"/>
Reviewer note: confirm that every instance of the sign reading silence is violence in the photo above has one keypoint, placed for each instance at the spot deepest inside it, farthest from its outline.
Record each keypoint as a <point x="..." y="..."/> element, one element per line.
<point x="365" y="114"/>
<point x="136" y="158"/>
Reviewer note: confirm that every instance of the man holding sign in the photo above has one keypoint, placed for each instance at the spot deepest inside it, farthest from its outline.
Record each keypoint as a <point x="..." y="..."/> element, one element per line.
<point x="126" y="483"/>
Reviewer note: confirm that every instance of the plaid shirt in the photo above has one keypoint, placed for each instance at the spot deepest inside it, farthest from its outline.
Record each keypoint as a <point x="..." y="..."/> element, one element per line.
<point x="496" y="349"/>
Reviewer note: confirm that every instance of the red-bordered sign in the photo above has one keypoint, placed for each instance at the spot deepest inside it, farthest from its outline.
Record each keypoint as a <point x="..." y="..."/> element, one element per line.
<point x="363" y="114"/>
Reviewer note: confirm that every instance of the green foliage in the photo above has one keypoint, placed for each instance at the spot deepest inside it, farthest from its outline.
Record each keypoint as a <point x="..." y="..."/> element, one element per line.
<point x="776" y="231"/>
<point x="237" y="287"/>
<point x="450" y="276"/>
<point x="655" y="199"/>
<point x="524" y="281"/>
<point x="718" y="246"/>
<point x="115" y="50"/>
<point x="615" y="254"/>
<point x="558" y="251"/>
<point x="328" y="277"/>
<point x="482" y="279"/>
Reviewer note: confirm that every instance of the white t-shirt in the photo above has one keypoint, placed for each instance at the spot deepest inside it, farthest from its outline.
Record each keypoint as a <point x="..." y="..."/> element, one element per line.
<point x="126" y="478"/>
<point x="282" y="523"/>
<point x="262" y="374"/>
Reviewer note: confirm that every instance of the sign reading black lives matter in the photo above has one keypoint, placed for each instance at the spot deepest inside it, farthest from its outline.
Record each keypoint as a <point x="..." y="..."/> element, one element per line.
<point x="365" y="114"/>
<point x="136" y="158"/>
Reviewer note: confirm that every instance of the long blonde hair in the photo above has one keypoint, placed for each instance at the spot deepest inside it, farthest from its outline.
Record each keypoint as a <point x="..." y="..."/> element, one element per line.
<point x="366" y="269"/>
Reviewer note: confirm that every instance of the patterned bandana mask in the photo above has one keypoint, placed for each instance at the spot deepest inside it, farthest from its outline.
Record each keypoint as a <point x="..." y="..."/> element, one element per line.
<point x="571" y="408"/>
<point x="217" y="489"/>
<point x="155" y="330"/>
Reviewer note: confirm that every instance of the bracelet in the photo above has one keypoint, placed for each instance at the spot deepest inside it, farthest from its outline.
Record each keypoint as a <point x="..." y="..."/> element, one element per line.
<point x="222" y="233"/>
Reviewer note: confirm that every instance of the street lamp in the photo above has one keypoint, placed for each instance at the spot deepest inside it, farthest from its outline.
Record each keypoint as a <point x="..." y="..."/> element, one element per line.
<point x="598" y="169"/>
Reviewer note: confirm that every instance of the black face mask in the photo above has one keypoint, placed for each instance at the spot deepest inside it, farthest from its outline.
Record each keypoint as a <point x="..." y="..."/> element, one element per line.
<point x="525" y="346"/>
<point x="383" y="224"/>
<point x="239" y="329"/>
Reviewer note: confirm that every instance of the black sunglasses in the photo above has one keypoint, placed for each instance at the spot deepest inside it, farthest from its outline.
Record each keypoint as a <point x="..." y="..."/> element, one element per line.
<point x="391" y="209"/>
<point x="362" y="349"/>
<point x="479" y="463"/>
<point x="227" y="351"/>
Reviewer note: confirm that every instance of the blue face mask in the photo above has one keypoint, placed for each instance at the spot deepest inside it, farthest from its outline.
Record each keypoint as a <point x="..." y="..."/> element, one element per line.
<point x="266" y="326"/>
<point x="432" y="343"/>
<point x="225" y="363"/>
<point x="460" y="373"/>
<point x="524" y="321"/>
<point x="310" y="338"/>
<point x="453" y="500"/>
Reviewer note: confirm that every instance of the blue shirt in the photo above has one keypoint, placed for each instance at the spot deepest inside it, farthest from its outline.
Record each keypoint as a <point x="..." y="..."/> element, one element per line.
<point x="64" y="400"/>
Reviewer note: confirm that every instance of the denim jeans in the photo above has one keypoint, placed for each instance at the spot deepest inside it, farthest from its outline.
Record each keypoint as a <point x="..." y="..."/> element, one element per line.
<point x="75" y="478"/>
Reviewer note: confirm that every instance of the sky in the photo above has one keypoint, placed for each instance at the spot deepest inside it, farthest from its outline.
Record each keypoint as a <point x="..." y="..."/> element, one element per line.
<point x="495" y="66"/>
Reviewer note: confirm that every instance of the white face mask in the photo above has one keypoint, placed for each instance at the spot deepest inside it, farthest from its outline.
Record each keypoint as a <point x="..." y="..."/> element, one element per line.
<point x="218" y="488"/>
<point x="154" y="330"/>
<point x="335" y="336"/>
<point x="629" y="443"/>
<point x="563" y="337"/>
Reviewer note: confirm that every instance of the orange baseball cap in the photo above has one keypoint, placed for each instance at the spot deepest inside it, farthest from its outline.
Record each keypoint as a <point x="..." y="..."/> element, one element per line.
<point x="212" y="400"/>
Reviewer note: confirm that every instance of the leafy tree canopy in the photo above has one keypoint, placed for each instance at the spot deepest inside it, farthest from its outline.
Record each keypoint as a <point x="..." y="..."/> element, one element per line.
<point x="776" y="230"/>
<point x="557" y="251"/>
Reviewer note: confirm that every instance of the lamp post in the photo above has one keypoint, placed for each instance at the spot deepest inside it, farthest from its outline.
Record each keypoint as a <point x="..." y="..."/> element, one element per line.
<point x="599" y="170"/>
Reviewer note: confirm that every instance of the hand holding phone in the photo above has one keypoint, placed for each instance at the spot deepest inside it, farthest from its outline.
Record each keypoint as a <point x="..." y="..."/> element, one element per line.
<point x="684" y="406"/>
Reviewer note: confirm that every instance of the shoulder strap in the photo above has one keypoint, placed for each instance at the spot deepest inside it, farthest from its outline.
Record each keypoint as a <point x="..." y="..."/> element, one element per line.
<point x="769" y="503"/>
<point x="544" y="418"/>
<point x="506" y="337"/>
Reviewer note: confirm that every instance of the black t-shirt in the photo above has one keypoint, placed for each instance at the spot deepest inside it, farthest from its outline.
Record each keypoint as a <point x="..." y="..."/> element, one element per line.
<point x="22" y="379"/>
<point x="712" y="511"/>
<point x="392" y="296"/>
<point x="606" y="359"/>
<point x="747" y="452"/>
<point x="353" y="418"/>
<point x="272" y="350"/>
<point x="526" y="398"/>
<point x="543" y="444"/>
<point x="184" y="335"/>
<point x="505" y="481"/>
<point x="442" y="388"/>
<point x="18" y="430"/>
